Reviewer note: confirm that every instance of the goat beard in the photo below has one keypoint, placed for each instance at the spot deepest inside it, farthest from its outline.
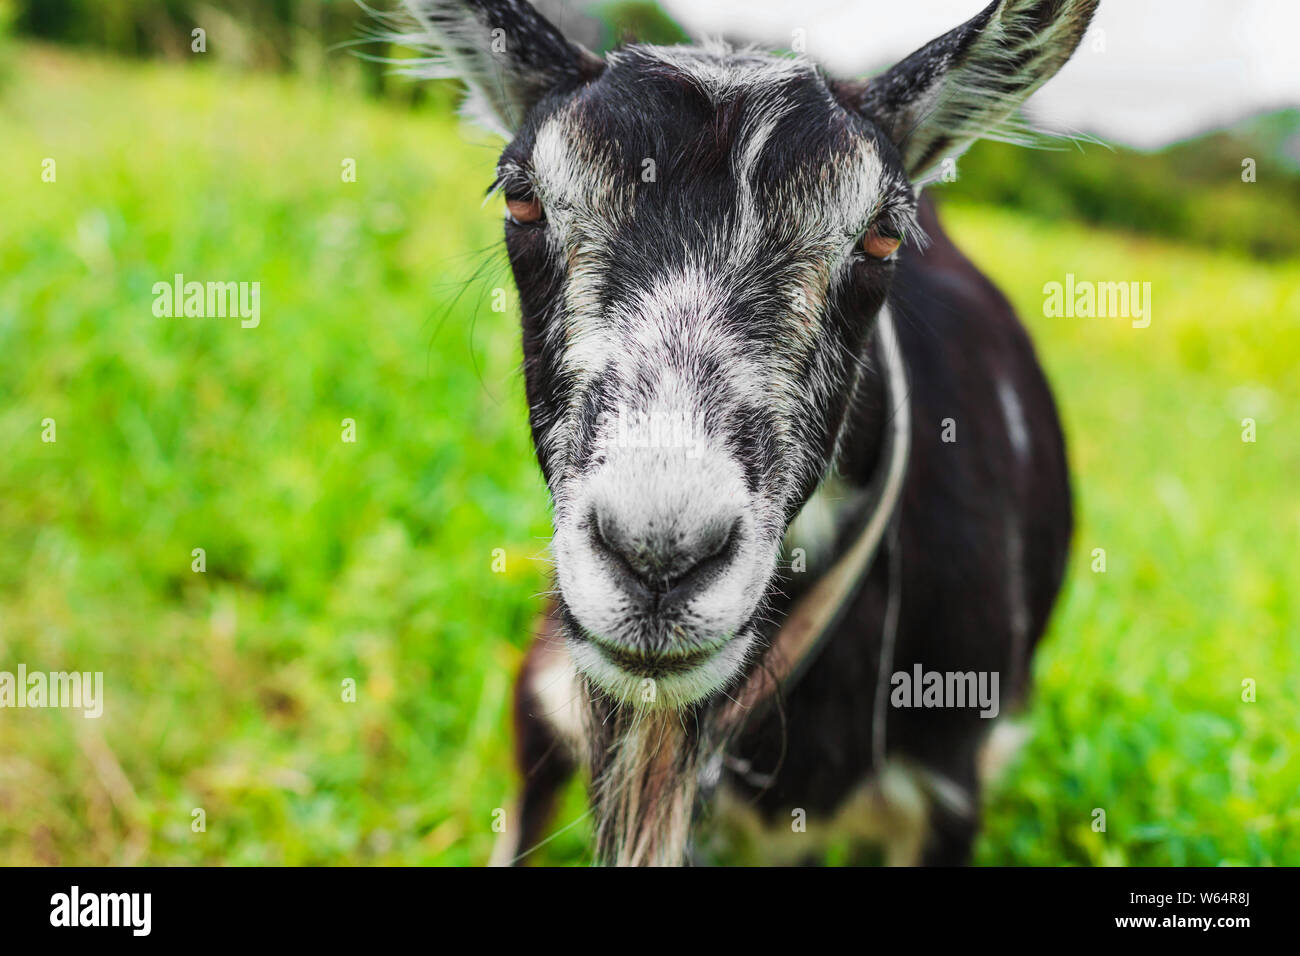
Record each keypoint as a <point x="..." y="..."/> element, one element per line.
<point x="645" y="777"/>
<point x="647" y="765"/>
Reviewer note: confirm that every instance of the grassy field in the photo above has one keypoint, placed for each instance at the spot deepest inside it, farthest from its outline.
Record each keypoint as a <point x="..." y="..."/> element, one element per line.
<point x="329" y="561"/>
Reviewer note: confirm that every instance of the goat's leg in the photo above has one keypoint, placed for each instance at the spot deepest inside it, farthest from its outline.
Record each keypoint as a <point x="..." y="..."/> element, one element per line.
<point x="545" y="710"/>
<point x="954" y="816"/>
<point x="951" y="839"/>
<point x="542" y="784"/>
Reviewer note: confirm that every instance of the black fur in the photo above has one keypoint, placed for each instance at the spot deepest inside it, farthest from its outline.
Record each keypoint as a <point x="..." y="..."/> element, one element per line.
<point x="959" y="336"/>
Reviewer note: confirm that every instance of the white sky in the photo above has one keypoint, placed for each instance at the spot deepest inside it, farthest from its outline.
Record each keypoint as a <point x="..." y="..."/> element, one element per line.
<point x="1167" y="69"/>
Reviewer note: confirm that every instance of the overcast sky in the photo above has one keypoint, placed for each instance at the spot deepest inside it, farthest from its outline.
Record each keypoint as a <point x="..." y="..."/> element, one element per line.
<point x="1158" y="71"/>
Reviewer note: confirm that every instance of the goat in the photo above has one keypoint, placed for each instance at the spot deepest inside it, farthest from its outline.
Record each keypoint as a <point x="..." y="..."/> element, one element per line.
<point x="800" y="450"/>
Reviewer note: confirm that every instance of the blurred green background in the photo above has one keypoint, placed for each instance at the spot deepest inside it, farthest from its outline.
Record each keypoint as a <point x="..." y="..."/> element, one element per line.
<point x="372" y="561"/>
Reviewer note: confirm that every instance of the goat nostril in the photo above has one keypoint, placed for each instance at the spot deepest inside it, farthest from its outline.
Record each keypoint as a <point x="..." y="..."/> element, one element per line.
<point x="718" y="539"/>
<point x="609" y="540"/>
<point x="668" y="563"/>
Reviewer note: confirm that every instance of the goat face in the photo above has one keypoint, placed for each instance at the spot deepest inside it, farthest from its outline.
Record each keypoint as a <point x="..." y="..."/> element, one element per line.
<point x="702" y="240"/>
<point x="696" y="295"/>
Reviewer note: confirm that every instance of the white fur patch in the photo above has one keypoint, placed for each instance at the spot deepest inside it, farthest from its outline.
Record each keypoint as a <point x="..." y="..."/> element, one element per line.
<point x="816" y="527"/>
<point x="1014" y="416"/>
<point x="721" y="72"/>
<point x="558" y="691"/>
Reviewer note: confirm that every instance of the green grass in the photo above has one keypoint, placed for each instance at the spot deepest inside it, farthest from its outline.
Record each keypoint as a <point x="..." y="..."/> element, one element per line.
<point x="372" y="560"/>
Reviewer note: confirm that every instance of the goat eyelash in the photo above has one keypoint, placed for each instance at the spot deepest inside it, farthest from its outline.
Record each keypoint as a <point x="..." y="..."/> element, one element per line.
<point x="513" y="180"/>
<point x="897" y="222"/>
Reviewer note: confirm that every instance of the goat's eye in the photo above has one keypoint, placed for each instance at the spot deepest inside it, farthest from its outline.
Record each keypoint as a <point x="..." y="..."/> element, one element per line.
<point x="878" y="244"/>
<point x="524" y="211"/>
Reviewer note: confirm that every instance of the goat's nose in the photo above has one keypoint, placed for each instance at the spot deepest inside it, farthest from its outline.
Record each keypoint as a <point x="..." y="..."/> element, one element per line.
<point x="666" y="562"/>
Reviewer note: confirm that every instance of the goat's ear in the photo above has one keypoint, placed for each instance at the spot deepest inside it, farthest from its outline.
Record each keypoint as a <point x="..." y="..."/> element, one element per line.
<point x="969" y="82"/>
<point x="508" y="54"/>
